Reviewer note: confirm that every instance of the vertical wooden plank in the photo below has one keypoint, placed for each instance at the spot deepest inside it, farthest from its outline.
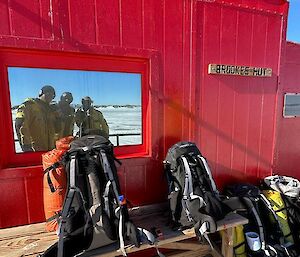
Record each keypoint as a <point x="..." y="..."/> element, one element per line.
<point x="154" y="176"/>
<point x="47" y="19"/>
<point x="13" y="202"/>
<point x="122" y="178"/>
<point x="108" y="20"/>
<point x="153" y="24"/>
<point x="34" y="198"/>
<point x="26" y="18"/>
<point x="195" y="67"/>
<point x="187" y="91"/>
<point x="225" y="122"/>
<point x="210" y="84"/>
<point x="287" y="151"/>
<point x="241" y="118"/>
<point x="63" y="26"/>
<point x="82" y="23"/>
<point x="173" y="71"/>
<point x="131" y="23"/>
<point x="153" y="39"/>
<point x="135" y="175"/>
<point x="259" y="33"/>
<point x="270" y="90"/>
<point x="4" y="18"/>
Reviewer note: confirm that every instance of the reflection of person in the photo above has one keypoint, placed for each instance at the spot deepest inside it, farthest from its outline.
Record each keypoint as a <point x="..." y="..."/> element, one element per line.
<point x="36" y="122"/>
<point x="66" y="115"/>
<point x="89" y="120"/>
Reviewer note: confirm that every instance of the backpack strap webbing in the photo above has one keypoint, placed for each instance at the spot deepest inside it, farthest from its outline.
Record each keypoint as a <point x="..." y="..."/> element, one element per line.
<point x="54" y="217"/>
<point x="67" y="206"/>
<point x="51" y="186"/>
<point x="209" y="174"/>
<point x="53" y="166"/>
<point x="47" y="171"/>
<point x="168" y="174"/>
<point x="73" y="189"/>
<point x="150" y="239"/>
<point x="252" y="210"/>
<point x="267" y="249"/>
<point x="107" y="169"/>
<point x="188" y="193"/>
<point x="111" y="182"/>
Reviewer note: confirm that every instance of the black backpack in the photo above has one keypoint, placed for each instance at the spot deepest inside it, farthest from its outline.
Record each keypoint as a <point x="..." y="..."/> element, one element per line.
<point x="94" y="213"/>
<point x="193" y="197"/>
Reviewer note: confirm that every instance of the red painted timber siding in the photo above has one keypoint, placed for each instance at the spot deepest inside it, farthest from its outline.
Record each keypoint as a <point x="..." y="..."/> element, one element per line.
<point x="230" y="118"/>
<point x="287" y="154"/>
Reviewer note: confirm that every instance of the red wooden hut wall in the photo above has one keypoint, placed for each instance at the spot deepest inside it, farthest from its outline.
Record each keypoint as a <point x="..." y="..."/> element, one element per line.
<point x="230" y="118"/>
<point x="287" y="154"/>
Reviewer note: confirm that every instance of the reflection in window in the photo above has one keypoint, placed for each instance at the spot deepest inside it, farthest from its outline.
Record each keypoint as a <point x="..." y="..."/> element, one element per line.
<point x="291" y="106"/>
<point x="48" y="104"/>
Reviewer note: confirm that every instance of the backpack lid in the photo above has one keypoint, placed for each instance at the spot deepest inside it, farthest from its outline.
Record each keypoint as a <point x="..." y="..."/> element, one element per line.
<point x="288" y="186"/>
<point x="88" y="142"/>
<point x="178" y="150"/>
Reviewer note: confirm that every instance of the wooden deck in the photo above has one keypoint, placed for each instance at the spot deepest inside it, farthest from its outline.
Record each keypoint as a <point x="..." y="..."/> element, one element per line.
<point x="30" y="240"/>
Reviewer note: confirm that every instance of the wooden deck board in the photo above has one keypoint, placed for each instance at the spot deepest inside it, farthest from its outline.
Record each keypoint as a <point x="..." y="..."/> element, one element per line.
<point x="26" y="240"/>
<point x="29" y="240"/>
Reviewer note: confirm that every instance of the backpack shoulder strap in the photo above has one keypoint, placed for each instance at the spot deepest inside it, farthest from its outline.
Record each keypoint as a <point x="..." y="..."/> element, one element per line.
<point x="188" y="185"/>
<point x="188" y="193"/>
<point x="108" y="171"/>
<point x="72" y="191"/>
<point x="208" y="172"/>
<point x="111" y="182"/>
<point x="67" y="205"/>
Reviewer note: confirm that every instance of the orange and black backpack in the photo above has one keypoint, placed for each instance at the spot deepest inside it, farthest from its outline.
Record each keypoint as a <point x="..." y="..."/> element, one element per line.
<point x="94" y="213"/>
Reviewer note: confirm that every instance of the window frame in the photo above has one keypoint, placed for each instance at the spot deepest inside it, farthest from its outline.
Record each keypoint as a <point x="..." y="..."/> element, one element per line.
<point x="69" y="61"/>
<point x="284" y="105"/>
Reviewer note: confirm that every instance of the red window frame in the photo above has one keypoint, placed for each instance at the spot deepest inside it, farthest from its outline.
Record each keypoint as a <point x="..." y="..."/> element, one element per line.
<point x="67" y="61"/>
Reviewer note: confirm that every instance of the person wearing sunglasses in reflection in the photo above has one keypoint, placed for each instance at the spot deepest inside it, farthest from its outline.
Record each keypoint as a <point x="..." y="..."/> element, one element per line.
<point x="89" y="120"/>
<point x="36" y="122"/>
<point x="66" y="115"/>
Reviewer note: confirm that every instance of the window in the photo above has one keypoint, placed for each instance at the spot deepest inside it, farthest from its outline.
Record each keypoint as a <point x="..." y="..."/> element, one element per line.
<point x="117" y="87"/>
<point x="108" y="103"/>
<point x="291" y="106"/>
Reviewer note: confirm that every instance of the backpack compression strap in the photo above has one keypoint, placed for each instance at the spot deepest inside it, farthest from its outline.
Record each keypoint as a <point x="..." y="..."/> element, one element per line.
<point x="47" y="171"/>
